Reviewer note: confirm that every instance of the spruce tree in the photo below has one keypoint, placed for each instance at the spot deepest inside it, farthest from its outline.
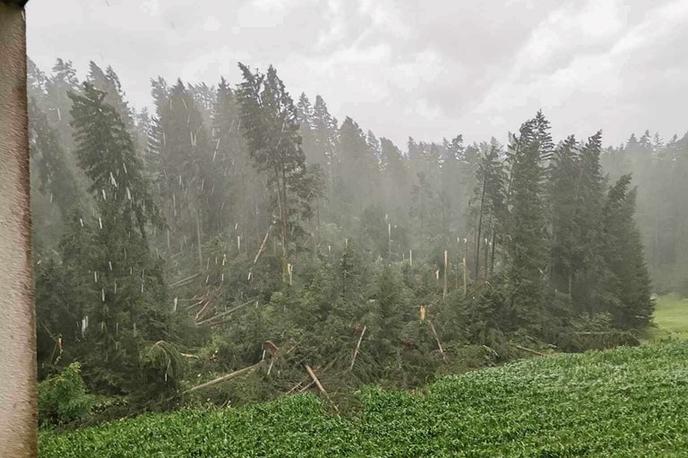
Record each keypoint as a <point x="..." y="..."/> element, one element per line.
<point x="190" y="196"/>
<point x="564" y="185"/>
<point x="588" y="224"/>
<point x="304" y="116"/>
<point x="48" y="162"/>
<point x="325" y="137"/>
<point x="121" y="288"/>
<point x="627" y="284"/>
<point x="356" y="177"/>
<point x="395" y="178"/>
<point x="456" y="181"/>
<point x="108" y="82"/>
<point x="271" y="129"/>
<point x="526" y="246"/>
<point x="489" y="194"/>
<point x="239" y="181"/>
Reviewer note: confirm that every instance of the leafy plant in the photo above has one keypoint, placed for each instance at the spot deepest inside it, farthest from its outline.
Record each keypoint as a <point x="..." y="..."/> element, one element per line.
<point x="63" y="398"/>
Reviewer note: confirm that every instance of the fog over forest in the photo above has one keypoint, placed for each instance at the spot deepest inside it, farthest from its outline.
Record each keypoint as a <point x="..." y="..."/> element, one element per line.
<point x="234" y="215"/>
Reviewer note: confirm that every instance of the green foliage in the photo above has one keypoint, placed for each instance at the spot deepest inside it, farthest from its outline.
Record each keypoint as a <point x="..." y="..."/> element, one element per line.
<point x="115" y="283"/>
<point x="527" y="236"/>
<point x="270" y="125"/>
<point x="282" y="225"/>
<point x="627" y="282"/>
<point x="162" y="367"/>
<point x="62" y="398"/>
<point x="625" y="402"/>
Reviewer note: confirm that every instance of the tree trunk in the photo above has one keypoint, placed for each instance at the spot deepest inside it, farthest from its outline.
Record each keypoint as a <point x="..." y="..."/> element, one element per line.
<point x="17" y="315"/>
<point x="280" y="182"/>
<point x="198" y="241"/>
<point x="494" y="245"/>
<point x="487" y="254"/>
<point x="480" y="226"/>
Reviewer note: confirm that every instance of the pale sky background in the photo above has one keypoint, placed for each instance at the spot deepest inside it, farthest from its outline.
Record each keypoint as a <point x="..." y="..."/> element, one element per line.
<point x="422" y="68"/>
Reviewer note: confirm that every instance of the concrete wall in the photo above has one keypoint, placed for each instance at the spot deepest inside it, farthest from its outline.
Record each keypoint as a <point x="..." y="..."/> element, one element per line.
<point x="17" y="319"/>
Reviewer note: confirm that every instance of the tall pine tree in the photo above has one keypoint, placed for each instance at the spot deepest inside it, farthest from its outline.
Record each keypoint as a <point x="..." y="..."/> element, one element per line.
<point x="122" y="292"/>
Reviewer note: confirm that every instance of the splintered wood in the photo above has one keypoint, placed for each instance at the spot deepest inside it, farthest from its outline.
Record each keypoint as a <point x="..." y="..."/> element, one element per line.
<point x="225" y="378"/>
<point x="358" y="346"/>
<point x="319" y="385"/>
<point x="437" y="339"/>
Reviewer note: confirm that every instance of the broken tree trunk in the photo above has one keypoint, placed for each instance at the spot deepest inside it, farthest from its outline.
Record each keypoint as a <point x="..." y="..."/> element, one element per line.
<point x="183" y="280"/>
<point x="262" y="245"/>
<point x="528" y="350"/>
<point x="437" y="339"/>
<point x="223" y="314"/>
<point x="358" y="345"/>
<point x="319" y="385"/>
<point x="225" y="378"/>
<point x="304" y="388"/>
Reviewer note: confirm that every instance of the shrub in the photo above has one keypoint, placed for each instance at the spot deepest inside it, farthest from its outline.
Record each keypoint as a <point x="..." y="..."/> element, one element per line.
<point x="62" y="398"/>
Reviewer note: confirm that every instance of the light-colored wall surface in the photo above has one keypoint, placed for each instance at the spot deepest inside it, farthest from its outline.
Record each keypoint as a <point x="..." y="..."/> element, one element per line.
<point x="17" y="320"/>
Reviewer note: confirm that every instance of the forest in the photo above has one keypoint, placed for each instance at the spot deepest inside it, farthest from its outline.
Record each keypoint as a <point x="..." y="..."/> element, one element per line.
<point x="235" y="243"/>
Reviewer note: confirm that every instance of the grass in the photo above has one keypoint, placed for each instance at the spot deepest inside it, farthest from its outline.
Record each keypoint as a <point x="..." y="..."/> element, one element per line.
<point x="625" y="402"/>
<point x="670" y="318"/>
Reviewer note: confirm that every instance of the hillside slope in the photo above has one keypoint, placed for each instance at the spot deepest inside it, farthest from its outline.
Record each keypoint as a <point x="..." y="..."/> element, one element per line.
<point x="623" y="402"/>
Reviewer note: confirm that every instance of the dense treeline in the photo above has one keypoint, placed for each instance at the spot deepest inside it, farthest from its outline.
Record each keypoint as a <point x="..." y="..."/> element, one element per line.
<point x="233" y="226"/>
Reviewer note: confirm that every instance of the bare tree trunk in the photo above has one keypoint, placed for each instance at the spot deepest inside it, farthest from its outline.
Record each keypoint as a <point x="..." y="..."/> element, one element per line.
<point x="282" y="204"/>
<point x="487" y="251"/>
<point x="285" y="228"/>
<point x="480" y="227"/>
<point x="444" y="281"/>
<point x="494" y="245"/>
<point x="17" y="316"/>
<point x="198" y="241"/>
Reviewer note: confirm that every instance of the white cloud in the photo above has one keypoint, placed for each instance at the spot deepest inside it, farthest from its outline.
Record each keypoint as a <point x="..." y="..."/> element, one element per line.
<point x="211" y="24"/>
<point x="402" y="68"/>
<point x="151" y="7"/>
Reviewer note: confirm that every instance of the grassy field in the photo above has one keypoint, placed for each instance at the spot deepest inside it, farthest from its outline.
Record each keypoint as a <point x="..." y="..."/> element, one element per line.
<point x="626" y="402"/>
<point x="671" y="318"/>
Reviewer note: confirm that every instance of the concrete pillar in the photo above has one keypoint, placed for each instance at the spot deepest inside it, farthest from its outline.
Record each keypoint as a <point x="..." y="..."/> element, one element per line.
<point x="17" y="317"/>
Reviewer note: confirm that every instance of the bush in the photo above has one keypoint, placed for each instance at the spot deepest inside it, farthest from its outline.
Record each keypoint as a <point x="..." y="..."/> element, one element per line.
<point x="62" y="398"/>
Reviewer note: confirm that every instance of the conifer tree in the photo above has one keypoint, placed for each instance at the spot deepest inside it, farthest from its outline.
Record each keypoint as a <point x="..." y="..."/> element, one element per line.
<point x="325" y="137"/>
<point x="121" y="282"/>
<point x="304" y="116"/>
<point x="527" y="247"/>
<point x="395" y="177"/>
<point x="270" y="126"/>
<point x="108" y="82"/>
<point x="358" y="170"/>
<point x="588" y="224"/>
<point x="239" y="181"/>
<point x="490" y="195"/>
<point x="62" y="81"/>
<point x="627" y="284"/>
<point x="564" y="185"/>
<point x="191" y="199"/>
<point x="48" y="160"/>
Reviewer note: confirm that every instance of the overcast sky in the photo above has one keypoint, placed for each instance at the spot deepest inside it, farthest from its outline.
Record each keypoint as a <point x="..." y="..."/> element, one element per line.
<point x="422" y="68"/>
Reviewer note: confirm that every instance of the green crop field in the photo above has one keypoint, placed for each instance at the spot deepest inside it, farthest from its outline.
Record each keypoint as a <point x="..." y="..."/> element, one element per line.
<point x="625" y="402"/>
<point x="670" y="318"/>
